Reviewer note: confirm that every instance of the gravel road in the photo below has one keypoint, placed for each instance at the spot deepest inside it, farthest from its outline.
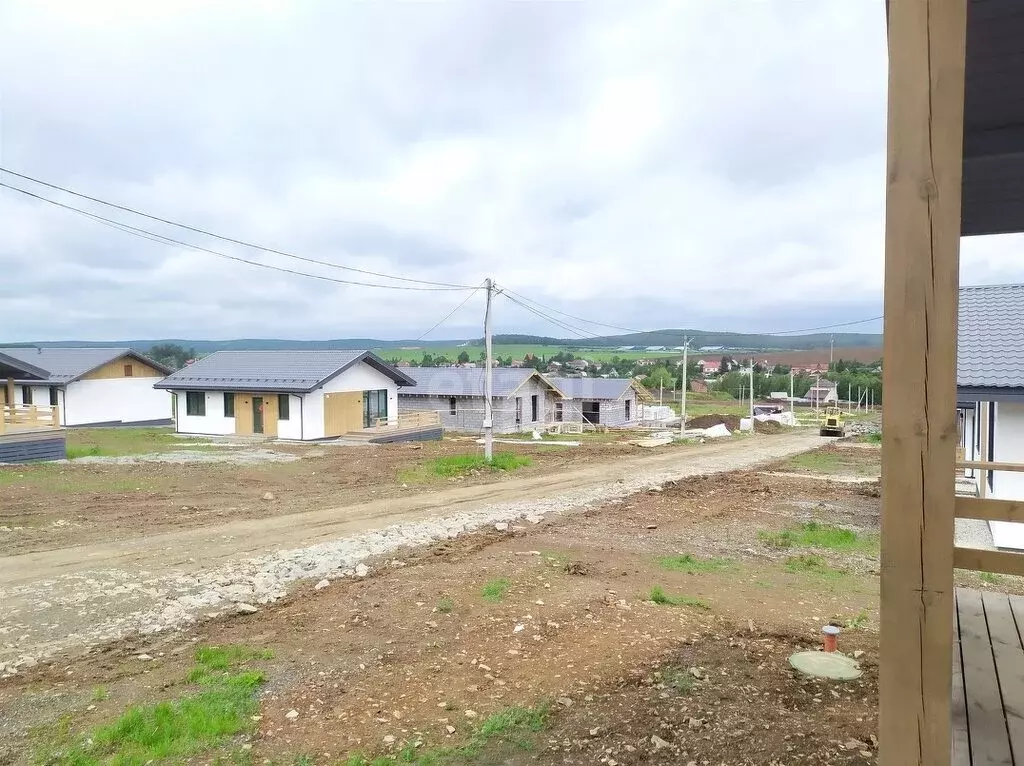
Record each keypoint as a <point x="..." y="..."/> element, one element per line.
<point x="77" y="597"/>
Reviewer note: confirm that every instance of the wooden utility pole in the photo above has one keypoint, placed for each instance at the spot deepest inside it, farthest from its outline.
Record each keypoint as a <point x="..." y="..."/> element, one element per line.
<point x="791" y="405"/>
<point x="488" y="377"/>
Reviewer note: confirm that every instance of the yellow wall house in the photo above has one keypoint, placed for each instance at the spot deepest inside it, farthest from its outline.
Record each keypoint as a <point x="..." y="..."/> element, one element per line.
<point x="301" y="395"/>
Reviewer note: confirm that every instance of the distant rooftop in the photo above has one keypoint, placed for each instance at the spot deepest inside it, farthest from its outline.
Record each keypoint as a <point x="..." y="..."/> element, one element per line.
<point x="990" y="337"/>
<point x="65" y="365"/>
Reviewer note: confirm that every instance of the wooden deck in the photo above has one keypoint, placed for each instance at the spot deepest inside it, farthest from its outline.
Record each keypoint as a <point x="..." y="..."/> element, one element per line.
<point x="988" y="679"/>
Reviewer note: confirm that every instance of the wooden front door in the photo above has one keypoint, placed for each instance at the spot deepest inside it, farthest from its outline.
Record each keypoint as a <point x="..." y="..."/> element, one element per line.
<point x="256" y="414"/>
<point x="343" y="412"/>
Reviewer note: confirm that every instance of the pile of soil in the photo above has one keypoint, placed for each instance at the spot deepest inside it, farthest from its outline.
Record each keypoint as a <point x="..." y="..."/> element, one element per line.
<point x="707" y="421"/>
<point x="768" y="427"/>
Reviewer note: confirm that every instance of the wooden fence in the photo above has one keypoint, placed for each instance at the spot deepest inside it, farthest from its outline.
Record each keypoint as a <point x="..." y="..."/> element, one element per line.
<point x="28" y="418"/>
<point x="417" y="419"/>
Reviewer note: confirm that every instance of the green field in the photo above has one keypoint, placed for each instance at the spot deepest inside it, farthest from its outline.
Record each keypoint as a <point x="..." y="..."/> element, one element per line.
<point x="519" y="351"/>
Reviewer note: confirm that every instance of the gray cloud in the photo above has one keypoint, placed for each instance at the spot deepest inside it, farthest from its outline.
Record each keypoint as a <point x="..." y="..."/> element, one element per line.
<point x="644" y="164"/>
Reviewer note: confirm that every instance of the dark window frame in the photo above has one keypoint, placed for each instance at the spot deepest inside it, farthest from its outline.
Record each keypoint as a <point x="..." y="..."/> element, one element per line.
<point x="195" y="404"/>
<point x="129" y="371"/>
<point x="229" y="404"/>
<point x="284" y="407"/>
<point x="559" y="412"/>
<point x="534" y="408"/>
<point x="54" y="400"/>
<point x="453" y="405"/>
<point x="26" y="395"/>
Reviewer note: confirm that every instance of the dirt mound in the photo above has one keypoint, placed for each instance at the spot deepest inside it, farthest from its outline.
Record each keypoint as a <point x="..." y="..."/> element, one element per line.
<point x="768" y="427"/>
<point x="707" y="421"/>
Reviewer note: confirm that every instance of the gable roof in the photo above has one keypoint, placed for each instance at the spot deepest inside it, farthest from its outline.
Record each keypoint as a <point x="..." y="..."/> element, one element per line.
<point x="598" y="388"/>
<point x="990" y="337"/>
<point x="66" y="365"/>
<point x="281" y="371"/>
<point x="12" y="367"/>
<point x="463" y="381"/>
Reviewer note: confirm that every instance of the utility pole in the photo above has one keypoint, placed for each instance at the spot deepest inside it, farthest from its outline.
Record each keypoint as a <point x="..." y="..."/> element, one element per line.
<point x="791" y="405"/>
<point x="488" y="377"/>
<point x="849" y="396"/>
<point x="831" y="350"/>
<point x="682" y="399"/>
<point x="751" y="391"/>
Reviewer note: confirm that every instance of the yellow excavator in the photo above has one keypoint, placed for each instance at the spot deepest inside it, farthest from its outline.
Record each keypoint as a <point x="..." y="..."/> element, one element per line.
<point x="832" y="423"/>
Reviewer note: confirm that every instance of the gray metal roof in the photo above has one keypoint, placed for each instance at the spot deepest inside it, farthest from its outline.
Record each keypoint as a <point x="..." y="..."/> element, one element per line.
<point x="469" y="381"/>
<point x="592" y="388"/>
<point x="990" y="337"/>
<point x="64" y="365"/>
<point x="10" y="367"/>
<point x="280" y="371"/>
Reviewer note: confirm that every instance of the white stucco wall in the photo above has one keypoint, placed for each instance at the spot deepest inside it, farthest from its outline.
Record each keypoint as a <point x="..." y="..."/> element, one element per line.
<point x="213" y="423"/>
<point x="291" y="428"/>
<point x="125" y="400"/>
<point x="1008" y="447"/>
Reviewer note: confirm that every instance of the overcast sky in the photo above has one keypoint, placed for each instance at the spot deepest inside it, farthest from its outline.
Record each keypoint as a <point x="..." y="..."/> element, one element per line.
<point x="647" y="164"/>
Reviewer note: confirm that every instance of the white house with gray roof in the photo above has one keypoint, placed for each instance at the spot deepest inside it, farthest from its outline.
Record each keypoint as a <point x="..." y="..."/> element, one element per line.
<point x="990" y="392"/>
<point x="522" y="398"/>
<point x="300" y="395"/>
<point x="88" y="386"/>
<point x="600" y="401"/>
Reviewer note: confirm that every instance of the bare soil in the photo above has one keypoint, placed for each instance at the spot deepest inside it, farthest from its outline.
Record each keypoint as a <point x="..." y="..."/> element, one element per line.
<point x="377" y="665"/>
<point x="45" y="507"/>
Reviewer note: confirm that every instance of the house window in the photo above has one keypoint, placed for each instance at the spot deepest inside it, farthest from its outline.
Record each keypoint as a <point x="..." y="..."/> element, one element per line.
<point x="534" y="408"/>
<point x="453" y="407"/>
<point x="375" y="406"/>
<point x="629" y="409"/>
<point x="53" y="396"/>
<point x="195" y="403"/>
<point x="519" y="410"/>
<point x="558" y="412"/>
<point x="128" y="371"/>
<point x="283" y="406"/>
<point x="26" y="394"/>
<point x="229" y="405"/>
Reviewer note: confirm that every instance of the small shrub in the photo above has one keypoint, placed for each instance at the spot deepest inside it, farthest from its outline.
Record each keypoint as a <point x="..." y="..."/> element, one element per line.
<point x="680" y="680"/>
<point x="990" y="578"/>
<point x="874" y="438"/>
<point x="776" y="539"/>
<point x="690" y="564"/>
<point x="445" y="605"/>
<point x="100" y="693"/>
<point x="812" y="565"/>
<point x="858" y="621"/>
<point x="658" y="596"/>
<point x="495" y="590"/>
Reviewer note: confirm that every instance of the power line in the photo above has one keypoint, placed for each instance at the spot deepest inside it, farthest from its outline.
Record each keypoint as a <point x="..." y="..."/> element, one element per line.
<point x="224" y="238"/>
<point x="154" y="237"/>
<point x="451" y="313"/>
<point x="570" y="316"/>
<point x="825" y="327"/>
<point x="584" y="334"/>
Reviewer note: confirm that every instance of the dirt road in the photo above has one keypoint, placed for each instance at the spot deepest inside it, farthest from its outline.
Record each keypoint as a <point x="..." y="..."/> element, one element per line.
<point x="58" y="599"/>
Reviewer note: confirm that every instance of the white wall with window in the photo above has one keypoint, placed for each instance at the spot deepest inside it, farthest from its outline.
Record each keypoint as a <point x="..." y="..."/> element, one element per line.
<point x="361" y="377"/>
<point x="205" y="412"/>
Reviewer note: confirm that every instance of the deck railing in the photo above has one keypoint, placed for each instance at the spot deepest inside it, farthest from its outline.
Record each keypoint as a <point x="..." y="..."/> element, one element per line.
<point x="28" y="418"/>
<point x="988" y="509"/>
<point x="418" y="419"/>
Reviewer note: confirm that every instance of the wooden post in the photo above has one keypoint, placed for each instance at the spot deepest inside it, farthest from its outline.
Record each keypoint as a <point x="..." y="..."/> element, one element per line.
<point x="922" y="250"/>
<point x="10" y="392"/>
<point x="983" y="453"/>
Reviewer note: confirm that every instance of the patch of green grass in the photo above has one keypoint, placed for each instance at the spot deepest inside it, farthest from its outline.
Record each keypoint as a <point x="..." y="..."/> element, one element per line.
<point x="70" y="479"/>
<point x="459" y="465"/>
<point x="990" y="578"/>
<point x="858" y="621"/>
<point x="679" y="680"/>
<point x="659" y="596"/>
<point x="690" y="564"/>
<point x="813" y="534"/>
<point x="874" y="438"/>
<point x="100" y="693"/>
<point x="445" y="605"/>
<point x="221" y="707"/>
<point x="495" y="590"/>
<point x="303" y="760"/>
<point x="809" y="564"/>
<point x="513" y="726"/>
<point x="115" y="442"/>
<point x="846" y="462"/>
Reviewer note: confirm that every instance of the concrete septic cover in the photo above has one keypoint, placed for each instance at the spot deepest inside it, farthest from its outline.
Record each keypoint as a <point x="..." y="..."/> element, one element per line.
<point x="833" y="665"/>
